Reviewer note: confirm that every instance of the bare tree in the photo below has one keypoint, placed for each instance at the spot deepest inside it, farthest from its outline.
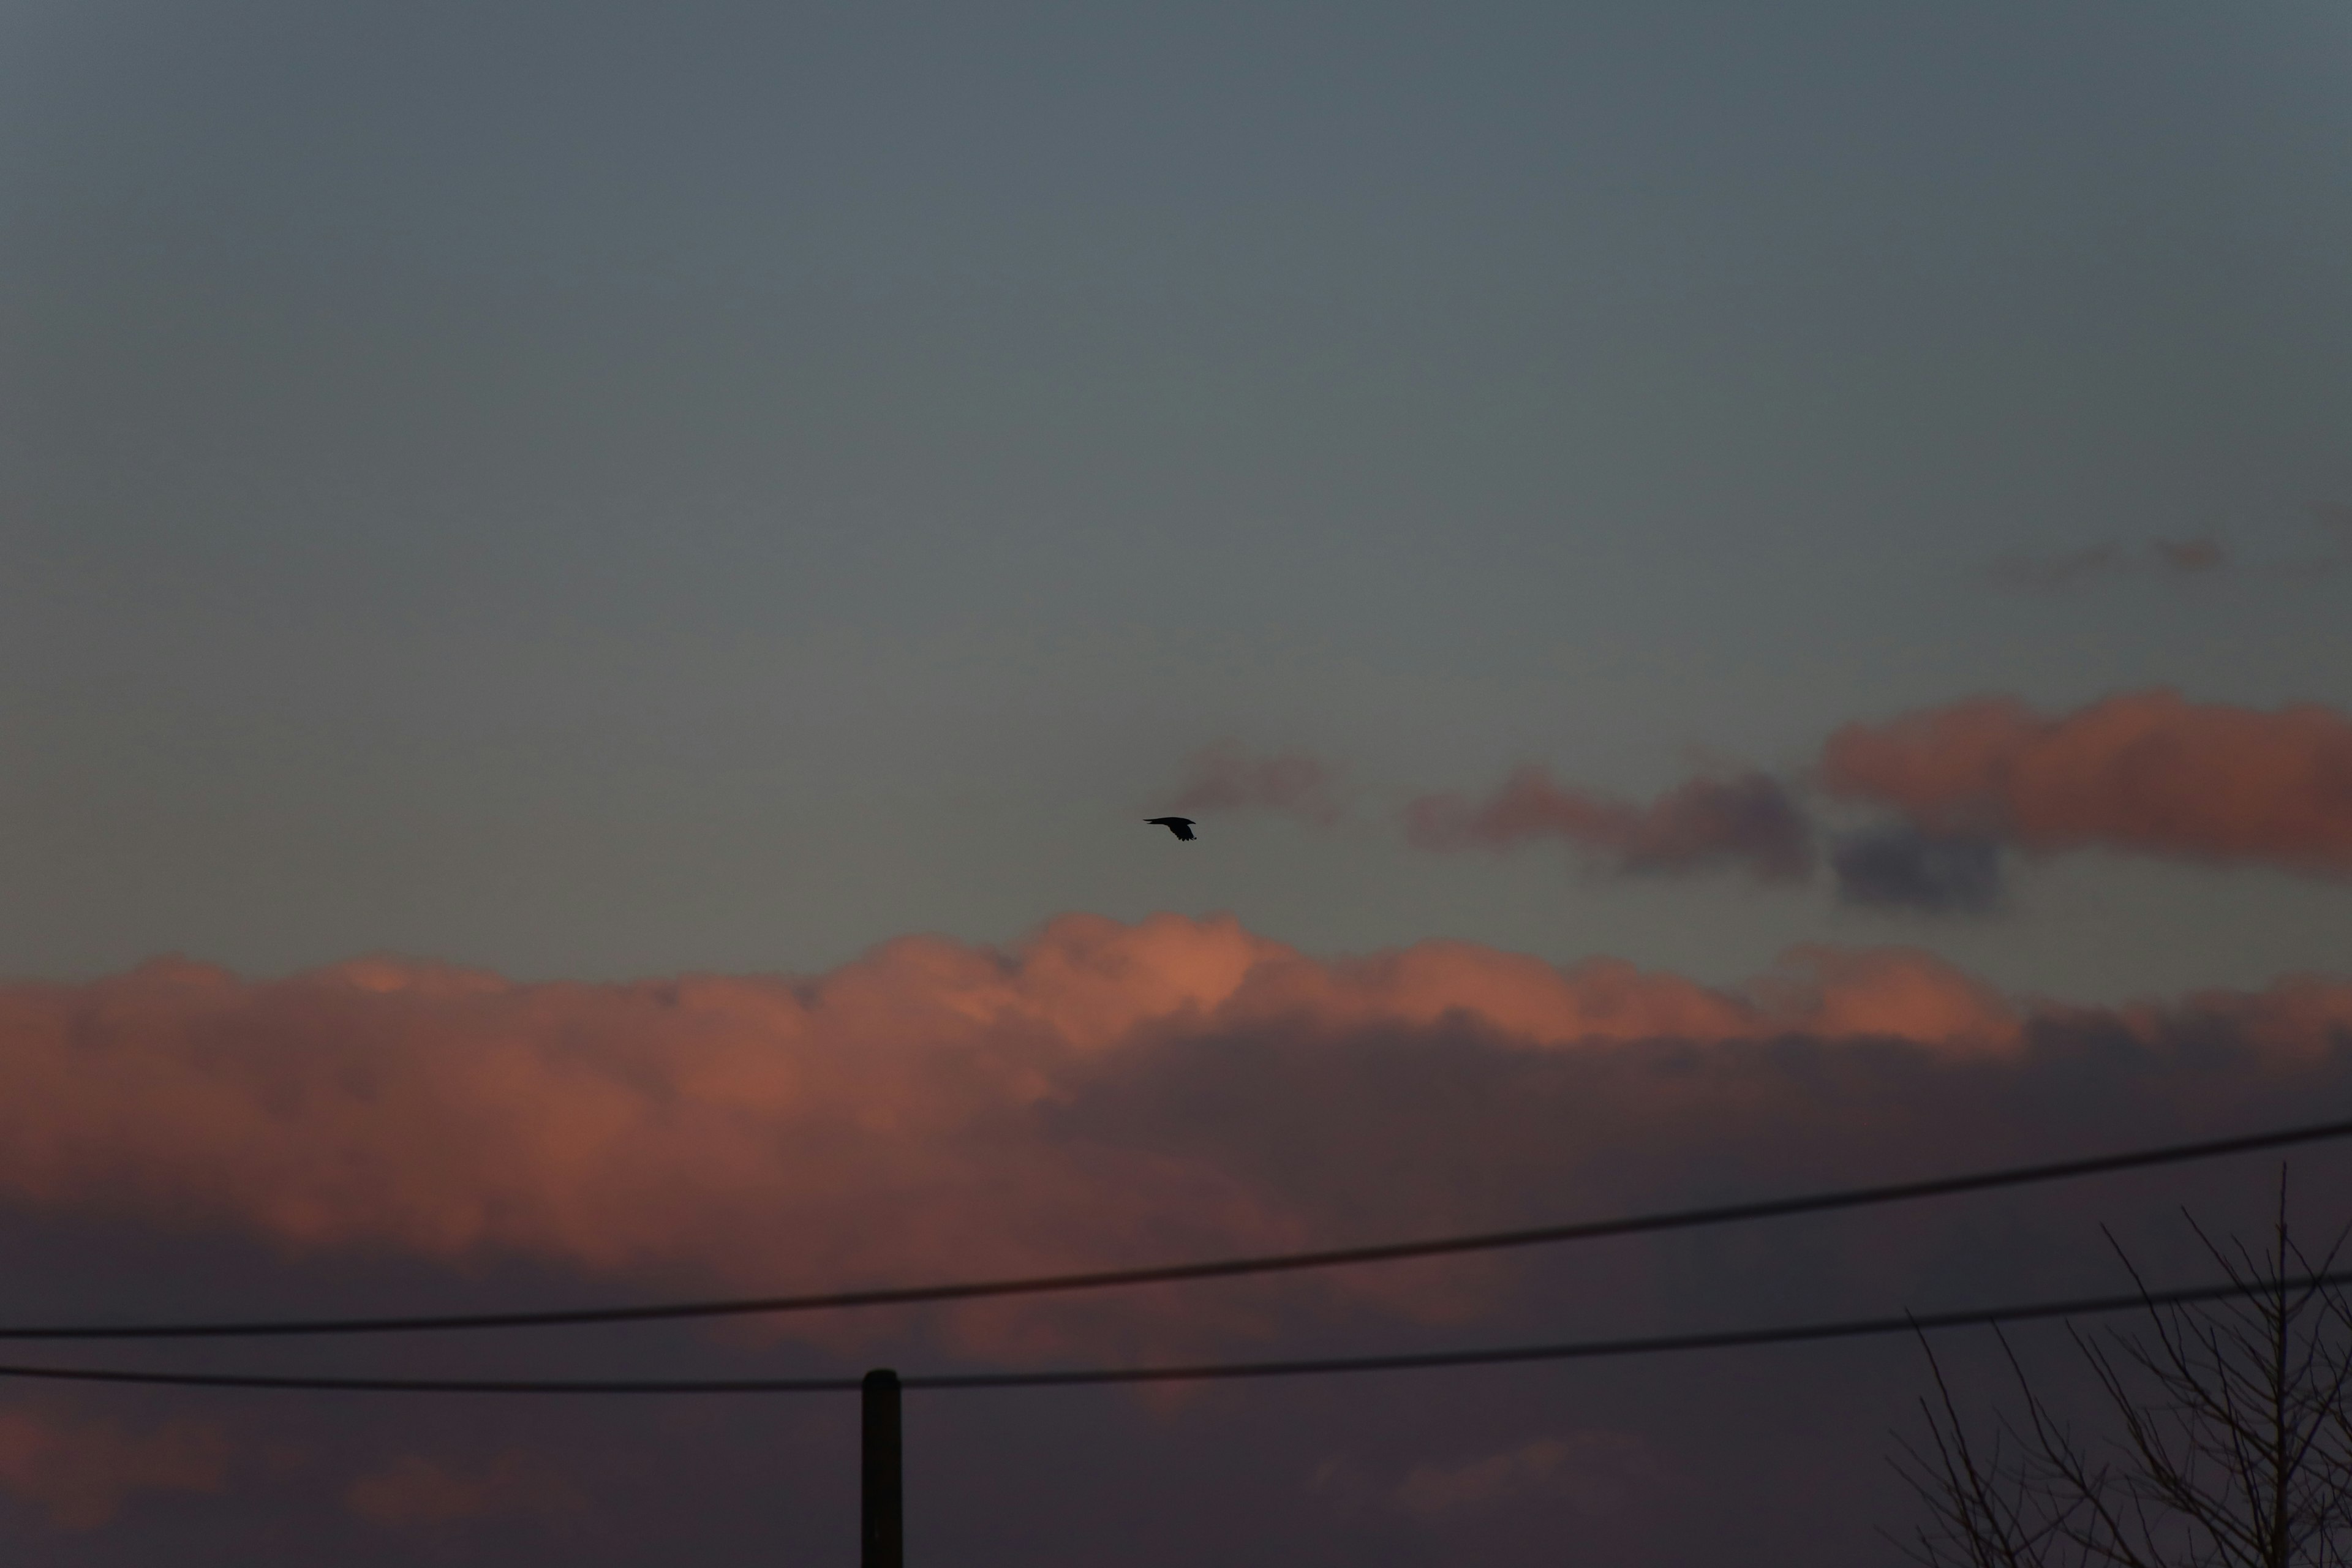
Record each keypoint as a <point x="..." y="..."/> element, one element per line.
<point x="2216" y="1436"/>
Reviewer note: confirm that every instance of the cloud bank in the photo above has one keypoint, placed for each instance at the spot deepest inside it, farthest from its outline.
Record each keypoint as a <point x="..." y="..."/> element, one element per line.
<point x="1101" y="1093"/>
<point x="938" y="1108"/>
<point x="446" y="1113"/>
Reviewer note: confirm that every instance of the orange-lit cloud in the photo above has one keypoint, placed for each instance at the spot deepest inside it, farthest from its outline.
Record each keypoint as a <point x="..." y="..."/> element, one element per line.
<point x="445" y="1111"/>
<point x="1226" y="778"/>
<point x="1751" y="821"/>
<point x="81" y="1470"/>
<point x="1106" y="1093"/>
<point x="2147" y="772"/>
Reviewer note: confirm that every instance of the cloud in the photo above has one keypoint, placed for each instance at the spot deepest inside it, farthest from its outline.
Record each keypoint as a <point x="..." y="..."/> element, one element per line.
<point x="2193" y="557"/>
<point x="929" y="1109"/>
<point x="1900" y="868"/>
<point x="1100" y="1093"/>
<point x="1226" y="778"/>
<point x="80" y="1472"/>
<point x="756" y="1127"/>
<point x="2147" y="772"/>
<point x="1592" y="1471"/>
<point x="1749" y="820"/>
<point x="417" y="1490"/>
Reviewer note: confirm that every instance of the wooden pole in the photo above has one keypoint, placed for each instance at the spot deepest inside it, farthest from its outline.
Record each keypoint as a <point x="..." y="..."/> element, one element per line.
<point x="882" y="1538"/>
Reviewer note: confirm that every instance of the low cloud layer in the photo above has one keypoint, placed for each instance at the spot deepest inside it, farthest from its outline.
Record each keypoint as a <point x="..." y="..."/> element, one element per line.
<point x="757" y="1129"/>
<point x="1749" y="820"/>
<point x="745" y="1127"/>
<point x="1102" y="1093"/>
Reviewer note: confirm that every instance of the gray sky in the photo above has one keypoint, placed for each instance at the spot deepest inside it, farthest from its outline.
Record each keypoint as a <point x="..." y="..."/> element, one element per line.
<point x="595" y="490"/>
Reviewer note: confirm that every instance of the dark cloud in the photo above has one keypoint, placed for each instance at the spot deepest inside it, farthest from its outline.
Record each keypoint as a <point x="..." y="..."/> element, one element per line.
<point x="1751" y="821"/>
<point x="1900" y="868"/>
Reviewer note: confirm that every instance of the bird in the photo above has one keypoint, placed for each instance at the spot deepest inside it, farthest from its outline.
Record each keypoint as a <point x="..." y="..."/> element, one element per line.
<point x="1182" y="827"/>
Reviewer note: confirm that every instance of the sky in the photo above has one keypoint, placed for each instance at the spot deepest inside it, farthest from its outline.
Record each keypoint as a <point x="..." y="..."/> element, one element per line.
<point x="592" y="597"/>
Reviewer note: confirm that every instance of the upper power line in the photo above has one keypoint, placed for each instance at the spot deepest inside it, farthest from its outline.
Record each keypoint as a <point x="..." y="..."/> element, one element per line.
<point x="1203" y="1371"/>
<point x="1214" y="1268"/>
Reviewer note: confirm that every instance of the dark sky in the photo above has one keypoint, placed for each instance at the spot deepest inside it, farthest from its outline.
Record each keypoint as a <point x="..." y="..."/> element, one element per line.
<point x="591" y="596"/>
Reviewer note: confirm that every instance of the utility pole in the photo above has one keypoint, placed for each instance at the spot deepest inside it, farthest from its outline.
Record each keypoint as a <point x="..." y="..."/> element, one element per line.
<point x="882" y="1537"/>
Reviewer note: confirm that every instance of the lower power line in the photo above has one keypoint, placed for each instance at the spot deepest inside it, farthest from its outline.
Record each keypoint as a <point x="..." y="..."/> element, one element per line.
<point x="1205" y="1372"/>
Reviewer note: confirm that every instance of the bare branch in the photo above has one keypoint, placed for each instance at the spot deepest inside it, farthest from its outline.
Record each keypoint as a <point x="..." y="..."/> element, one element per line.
<point x="2223" y="1437"/>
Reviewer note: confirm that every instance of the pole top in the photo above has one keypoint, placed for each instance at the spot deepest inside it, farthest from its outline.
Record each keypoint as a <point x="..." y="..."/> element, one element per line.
<point x="882" y="1377"/>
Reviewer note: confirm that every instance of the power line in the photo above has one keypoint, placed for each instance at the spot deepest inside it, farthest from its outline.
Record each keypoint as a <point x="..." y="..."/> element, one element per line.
<point x="1214" y="1268"/>
<point x="1078" y="1377"/>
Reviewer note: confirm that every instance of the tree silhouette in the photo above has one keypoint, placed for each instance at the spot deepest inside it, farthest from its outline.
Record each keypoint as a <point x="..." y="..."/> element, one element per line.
<point x="2218" y="1437"/>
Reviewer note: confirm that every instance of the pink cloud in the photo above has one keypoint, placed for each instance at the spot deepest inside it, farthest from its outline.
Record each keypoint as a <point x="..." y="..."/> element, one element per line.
<point x="81" y="1471"/>
<point x="934" y="1109"/>
<point x="2147" y="772"/>
<point x="1749" y="820"/>
<point x="1100" y="1093"/>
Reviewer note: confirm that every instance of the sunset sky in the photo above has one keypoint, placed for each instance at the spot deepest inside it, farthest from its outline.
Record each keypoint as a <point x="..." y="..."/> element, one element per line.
<point x="592" y="597"/>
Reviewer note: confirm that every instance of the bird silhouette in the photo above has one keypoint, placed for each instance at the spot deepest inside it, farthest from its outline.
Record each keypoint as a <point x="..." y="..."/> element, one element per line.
<point x="1182" y="827"/>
